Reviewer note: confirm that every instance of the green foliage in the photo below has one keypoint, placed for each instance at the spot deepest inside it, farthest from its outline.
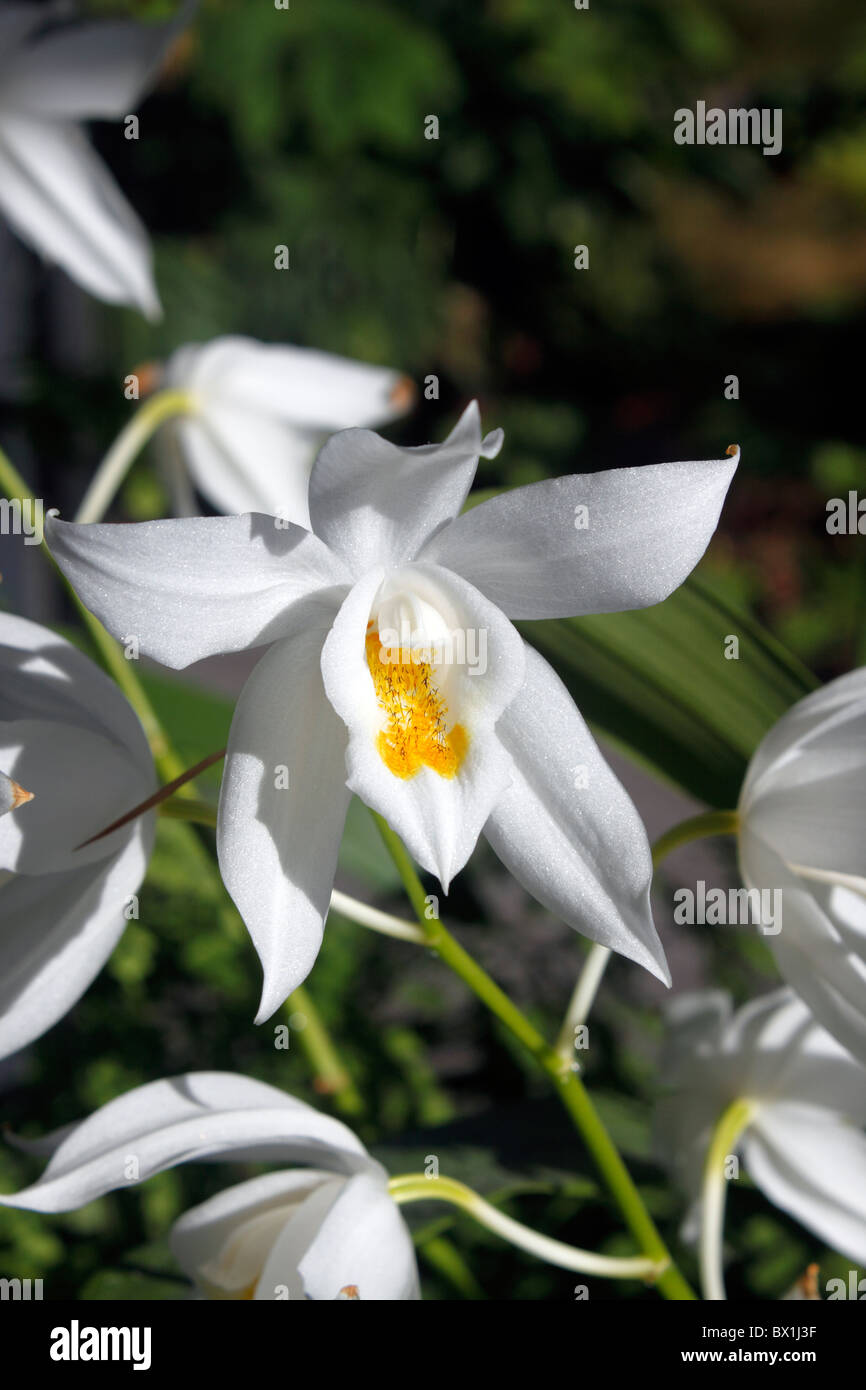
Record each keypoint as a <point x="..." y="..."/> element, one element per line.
<point x="659" y="682"/>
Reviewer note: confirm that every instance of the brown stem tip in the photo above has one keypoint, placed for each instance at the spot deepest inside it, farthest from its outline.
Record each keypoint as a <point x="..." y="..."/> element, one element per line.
<point x="19" y="796"/>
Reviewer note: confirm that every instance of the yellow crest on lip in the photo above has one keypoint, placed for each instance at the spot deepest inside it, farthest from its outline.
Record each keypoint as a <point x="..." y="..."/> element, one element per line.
<point x="416" y="735"/>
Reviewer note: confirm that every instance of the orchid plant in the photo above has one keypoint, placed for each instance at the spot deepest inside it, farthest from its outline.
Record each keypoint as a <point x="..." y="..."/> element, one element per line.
<point x="373" y="600"/>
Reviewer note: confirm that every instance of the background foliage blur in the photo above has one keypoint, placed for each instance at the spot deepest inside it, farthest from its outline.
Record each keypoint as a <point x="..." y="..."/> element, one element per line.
<point x="455" y="257"/>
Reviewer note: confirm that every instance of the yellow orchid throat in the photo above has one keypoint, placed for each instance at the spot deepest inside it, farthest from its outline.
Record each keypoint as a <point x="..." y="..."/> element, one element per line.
<point x="416" y="734"/>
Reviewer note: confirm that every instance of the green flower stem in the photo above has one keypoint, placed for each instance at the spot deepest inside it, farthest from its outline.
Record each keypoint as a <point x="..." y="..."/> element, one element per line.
<point x="592" y="973"/>
<point x="317" y="1043"/>
<point x="724" y="1140"/>
<point x="125" y="449"/>
<point x="582" y="999"/>
<point x="571" y="1091"/>
<point x="374" y="919"/>
<point x="695" y="828"/>
<point x="453" y="954"/>
<point x="417" y="1187"/>
<point x="331" y="1077"/>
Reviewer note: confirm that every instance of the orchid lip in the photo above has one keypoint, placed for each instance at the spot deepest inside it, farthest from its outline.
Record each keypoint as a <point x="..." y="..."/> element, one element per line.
<point x="411" y="649"/>
<point x="416" y="731"/>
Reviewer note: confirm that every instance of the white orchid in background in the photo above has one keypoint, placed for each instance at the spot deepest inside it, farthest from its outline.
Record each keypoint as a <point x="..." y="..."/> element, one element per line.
<point x="69" y="736"/>
<point x="768" y="1082"/>
<point x="328" y="1231"/>
<point x="802" y="830"/>
<point x="395" y="673"/>
<point x="258" y="413"/>
<point x="55" y="191"/>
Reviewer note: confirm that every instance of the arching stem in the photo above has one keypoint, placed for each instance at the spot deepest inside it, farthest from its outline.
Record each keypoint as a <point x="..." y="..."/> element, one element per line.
<point x="412" y="1187"/>
<point x="126" y="448"/>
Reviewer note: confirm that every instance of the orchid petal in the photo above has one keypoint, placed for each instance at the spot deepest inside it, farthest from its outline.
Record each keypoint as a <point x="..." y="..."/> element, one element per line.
<point x="42" y="676"/>
<point x="282" y="807"/>
<point x="280" y="1274"/>
<point x="362" y="1242"/>
<point x="833" y="715"/>
<point x="809" y="803"/>
<point x="16" y="22"/>
<point x="69" y="732"/>
<point x="58" y="931"/>
<point x="59" y="197"/>
<point x="201" y="1117"/>
<point x="565" y="827"/>
<point x="90" y="70"/>
<point x="812" y="1163"/>
<point x="241" y="461"/>
<point x="776" y="1050"/>
<point x="824" y="964"/>
<point x="80" y="781"/>
<point x="536" y="554"/>
<point x="312" y="391"/>
<point x="376" y="504"/>
<point x="190" y="588"/>
<point x="202" y="1237"/>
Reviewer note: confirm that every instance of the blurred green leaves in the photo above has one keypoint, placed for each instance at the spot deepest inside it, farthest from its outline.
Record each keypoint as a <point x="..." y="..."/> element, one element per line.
<point x="657" y="681"/>
<point x="352" y="77"/>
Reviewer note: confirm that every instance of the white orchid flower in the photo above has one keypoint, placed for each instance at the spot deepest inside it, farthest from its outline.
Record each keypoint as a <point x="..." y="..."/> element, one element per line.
<point x="55" y="192"/>
<point x="393" y="671"/>
<point x="327" y="1231"/>
<point x="258" y="413"/>
<point x="802" y="831"/>
<point x="774" y="1086"/>
<point x="69" y="736"/>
